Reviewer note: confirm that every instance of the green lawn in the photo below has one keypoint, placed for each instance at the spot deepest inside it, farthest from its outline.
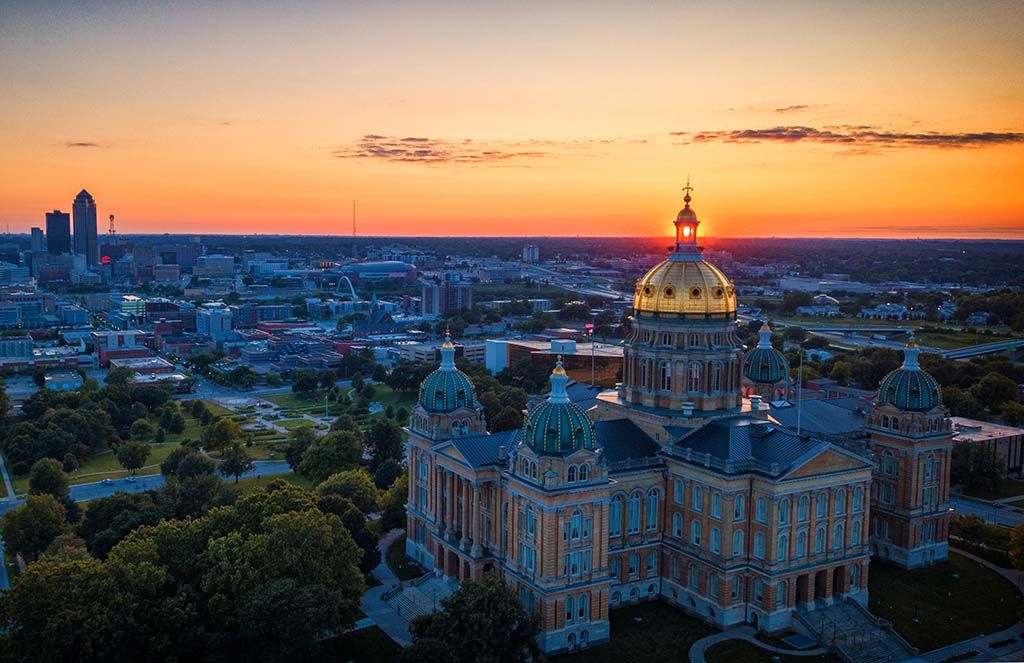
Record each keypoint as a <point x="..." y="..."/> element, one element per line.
<point x="741" y="651"/>
<point x="251" y="484"/>
<point x="400" y="565"/>
<point x="217" y="410"/>
<point x="292" y="424"/>
<point x="288" y="399"/>
<point x="368" y="645"/>
<point x="952" y="601"/>
<point x="1006" y="488"/>
<point x="104" y="465"/>
<point x="651" y="632"/>
<point x="386" y="396"/>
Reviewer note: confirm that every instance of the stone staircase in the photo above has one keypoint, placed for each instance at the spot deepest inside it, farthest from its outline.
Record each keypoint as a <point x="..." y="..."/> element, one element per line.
<point x="420" y="596"/>
<point x="855" y="633"/>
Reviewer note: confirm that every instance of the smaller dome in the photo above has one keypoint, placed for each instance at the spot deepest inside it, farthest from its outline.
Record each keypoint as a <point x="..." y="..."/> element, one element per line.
<point x="447" y="388"/>
<point x="558" y="426"/>
<point x="909" y="387"/>
<point x="764" y="364"/>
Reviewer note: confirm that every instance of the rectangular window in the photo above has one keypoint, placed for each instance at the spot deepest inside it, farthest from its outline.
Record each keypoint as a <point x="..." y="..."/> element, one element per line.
<point x="587" y="524"/>
<point x="634" y="563"/>
<point x="615" y="517"/>
<point x="694" y="577"/>
<point x="677" y="568"/>
<point x="652" y="563"/>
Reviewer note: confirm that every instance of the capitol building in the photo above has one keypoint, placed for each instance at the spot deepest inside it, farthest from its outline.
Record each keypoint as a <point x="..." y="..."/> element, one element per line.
<point x="678" y="485"/>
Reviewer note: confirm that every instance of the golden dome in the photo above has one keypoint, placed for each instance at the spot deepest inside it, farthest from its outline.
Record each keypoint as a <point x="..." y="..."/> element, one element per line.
<point x="690" y="287"/>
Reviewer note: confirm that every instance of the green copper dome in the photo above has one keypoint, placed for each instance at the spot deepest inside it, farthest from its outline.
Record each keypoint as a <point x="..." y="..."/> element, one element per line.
<point x="447" y="388"/>
<point x="909" y="387"/>
<point x="764" y="364"/>
<point x="558" y="426"/>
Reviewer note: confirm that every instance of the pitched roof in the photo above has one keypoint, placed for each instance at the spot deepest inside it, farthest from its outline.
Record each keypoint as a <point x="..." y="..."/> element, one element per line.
<point x="621" y="439"/>
<point x="743" y="441"/>
<point x="820" y="417"/>
<point x="485" y="449"/>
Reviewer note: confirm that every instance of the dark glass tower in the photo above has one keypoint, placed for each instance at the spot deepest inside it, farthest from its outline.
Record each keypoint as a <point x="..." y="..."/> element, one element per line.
<point x="58" y="232"/>
<point x="86" y="240"/>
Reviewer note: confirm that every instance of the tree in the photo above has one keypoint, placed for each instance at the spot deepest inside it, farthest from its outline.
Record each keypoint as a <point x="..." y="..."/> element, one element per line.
<point x="222" y="433"/>
<point x="334" y="452"/>
<point x="386" y="473"/>
<point x="795" y="334"/>
<point x="356" y="485"/>
<point x="1013" y="413"/>
<point x="305" y="382"/>
<point x="392" y="511"/>
<point x="481" y="621"/>
<point x="119" y="376"/>
<point x="5" y="403"/>
<point x="133" y="454"/>
<point x="142" y="430"/>
<point x="39" y="377"/>
<point x="975" y="467"/>
<point x="30" y="528"/>
<point x="184" y="462"/>
<point x="299" y="439"/>
<point x="995" y="389"/>
<point x="235" y="462"/>
<point x="507" y="419"/>
<point x="47" y="478"/>
<point x="384" y="442"/>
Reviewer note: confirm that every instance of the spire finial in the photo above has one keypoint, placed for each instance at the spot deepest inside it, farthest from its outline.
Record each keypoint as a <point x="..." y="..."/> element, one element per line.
<point x="559" y="379"/>
<point x="686" y="192"/>
<point x="910" y="354"/>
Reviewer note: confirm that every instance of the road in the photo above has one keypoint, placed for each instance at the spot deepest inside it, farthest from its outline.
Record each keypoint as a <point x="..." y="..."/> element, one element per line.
<point x="991" y="513"/>
<point x="84" y="492"/>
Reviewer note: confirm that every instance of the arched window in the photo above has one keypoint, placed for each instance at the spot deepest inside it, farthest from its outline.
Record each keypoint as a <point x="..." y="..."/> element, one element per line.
<point x="781" y="594"/>
<point x="858" y="499"/>
<point x="781" y="548"/>
<point x="759" y="546"/>
<point x="695" y="376"/>
<point x="761" y="510"/>
<point x="695" y="532"/>
<point x="929" y="467"/>
<point x="784" y="508"/>
<point x="854" y="576"/>
<point x="570" y="474"/>
<point x="737" y="543"/>
<point x="615" y="516"/>
<point x="838" y="536"/>
<point x="570" y="608"/>
<point x="584" y="472"/>
<point x="531" y="521"/>
<point x="885" y="421"/>
<point x="713" y="585"/>
<point x="840" y="503"/>
<point x="716" y="377"/>
<point x="576" y="525"/>
<point x="888" y="463"/>
<point x="819" y="541"/>
<point x="677" y="525"/>
<point x="716" y="540"/>
<point x="665" y="375"/>
<point x="643" y="372"/>
<point x="895" y="423"/>
<point x="801" y="543"/>
<point x="584" y="609"/>
<point x="738" y="505"/>
<point x="855" y="533"/>
<point x="803" y="509"/>
<point x="666" y="339"/>
<point x="821" y="506"/>
<point x="634" y="513"/>
<point x="697" y="503"/>
<point x="651" y="511"/>
<point x="716" y="505"/>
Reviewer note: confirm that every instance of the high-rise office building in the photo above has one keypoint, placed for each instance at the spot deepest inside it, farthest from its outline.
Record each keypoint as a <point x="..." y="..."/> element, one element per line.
<point x="58" y="232"/>
<point x="38" y="240"/>
<point x="86" y="240"/>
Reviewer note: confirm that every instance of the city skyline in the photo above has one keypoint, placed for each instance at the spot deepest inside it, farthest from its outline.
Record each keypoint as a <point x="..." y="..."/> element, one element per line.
<point x="798" y="121"/>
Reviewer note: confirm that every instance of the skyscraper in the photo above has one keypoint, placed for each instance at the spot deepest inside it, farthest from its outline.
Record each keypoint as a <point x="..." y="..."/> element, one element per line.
<point x="86" y="241"/>
<point x="38" y="239"/>
<point x="58" y="232"/>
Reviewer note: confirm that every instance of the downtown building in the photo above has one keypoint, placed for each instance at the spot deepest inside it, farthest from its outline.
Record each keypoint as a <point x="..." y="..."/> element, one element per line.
<point x="86" y="240"/>
<point x="675" y="486"/>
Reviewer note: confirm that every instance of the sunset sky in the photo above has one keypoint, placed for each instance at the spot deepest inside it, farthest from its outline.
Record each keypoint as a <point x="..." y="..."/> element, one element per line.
<point x="578" y="118"/>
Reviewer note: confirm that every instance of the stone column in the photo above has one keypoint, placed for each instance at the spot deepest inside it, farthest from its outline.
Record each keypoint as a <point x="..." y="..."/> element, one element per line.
<point x="477" y="532"/>
<point x="466" y="514"/>
<point x="449" y="517"/>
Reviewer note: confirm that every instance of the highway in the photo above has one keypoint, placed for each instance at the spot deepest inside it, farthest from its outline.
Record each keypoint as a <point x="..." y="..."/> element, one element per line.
<point x="991" y="513"/>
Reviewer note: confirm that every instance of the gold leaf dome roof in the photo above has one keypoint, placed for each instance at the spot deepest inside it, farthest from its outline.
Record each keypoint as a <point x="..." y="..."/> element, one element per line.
<point x="684" y="284"/>
<point x="691" y="287"/>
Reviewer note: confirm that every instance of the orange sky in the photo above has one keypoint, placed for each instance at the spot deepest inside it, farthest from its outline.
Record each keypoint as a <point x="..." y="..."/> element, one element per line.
<point x="798" y="119"/>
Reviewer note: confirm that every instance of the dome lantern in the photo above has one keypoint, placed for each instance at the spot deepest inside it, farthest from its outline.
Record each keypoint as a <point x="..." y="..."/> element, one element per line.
<point x="686" y="225"/>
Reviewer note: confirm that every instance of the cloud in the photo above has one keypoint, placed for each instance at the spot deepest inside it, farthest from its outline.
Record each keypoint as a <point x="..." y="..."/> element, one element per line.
<point x="81" y="143"/>
<point x="792" y="109"/>
<point x="860" y="138"/>
<point x="463" y="151"/>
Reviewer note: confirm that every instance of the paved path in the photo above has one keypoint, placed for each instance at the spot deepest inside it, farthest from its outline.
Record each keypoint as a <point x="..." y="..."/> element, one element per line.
<point x="381" y="613"/>
<point x="981" y="643"/>
<point x="700" y="648"/>
<point x="7" y="480"/>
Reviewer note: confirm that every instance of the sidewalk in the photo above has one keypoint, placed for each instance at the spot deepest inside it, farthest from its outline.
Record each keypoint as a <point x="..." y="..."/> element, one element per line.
<point x="747" y="633"/>
<point x="381" y="613"/>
